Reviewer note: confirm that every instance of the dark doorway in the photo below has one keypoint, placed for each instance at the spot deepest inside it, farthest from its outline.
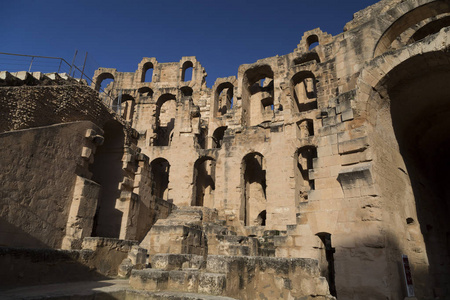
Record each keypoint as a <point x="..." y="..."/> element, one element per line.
<point x="204" y="182"/>
<point x="327" y="261"/>
<point x="107" y="171"/>
<point x="159" y="170"/>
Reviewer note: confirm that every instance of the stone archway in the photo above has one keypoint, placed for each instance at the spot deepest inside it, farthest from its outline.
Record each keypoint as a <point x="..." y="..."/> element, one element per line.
<point x="408" y="110"/>
<point x="204" y="182"/>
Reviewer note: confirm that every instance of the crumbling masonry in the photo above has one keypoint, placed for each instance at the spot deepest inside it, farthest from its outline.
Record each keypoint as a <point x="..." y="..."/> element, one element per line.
<point x="307" y="175"/>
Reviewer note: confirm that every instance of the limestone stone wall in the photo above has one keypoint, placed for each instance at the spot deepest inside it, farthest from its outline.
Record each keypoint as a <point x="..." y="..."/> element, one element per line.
<point x="38" y="182"/>
<point x="339" y="147"/>
<point x="317" y="128"/>
<point x="99" y="259"/>
<point x="30" y="106"/>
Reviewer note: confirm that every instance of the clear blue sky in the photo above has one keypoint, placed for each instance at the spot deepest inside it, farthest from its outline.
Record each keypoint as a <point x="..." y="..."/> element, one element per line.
<point x="117" y="34"/>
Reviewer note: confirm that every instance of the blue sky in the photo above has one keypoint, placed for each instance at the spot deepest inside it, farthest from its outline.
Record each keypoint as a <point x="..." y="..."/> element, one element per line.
<point x="117" y="34"/>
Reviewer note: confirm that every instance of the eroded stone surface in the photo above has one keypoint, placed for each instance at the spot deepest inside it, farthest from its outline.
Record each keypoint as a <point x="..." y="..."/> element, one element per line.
<point x="335" y="152"/>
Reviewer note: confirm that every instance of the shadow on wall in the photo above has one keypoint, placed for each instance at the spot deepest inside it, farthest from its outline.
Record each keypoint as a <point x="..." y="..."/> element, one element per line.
<point x="204" y="182"/>
<point x="13" y="235"/>
<point x="420" y="114"/>
<point x="159" y="170"/>
<point x="30" y="266"/>
<point x="253" y="183"/>
<point x="31" y="262"/>
<point x="166" y="108"/>
<point x="107" y="171"/>
<point x="412" y="113"/>
<point x="377" y="262"/>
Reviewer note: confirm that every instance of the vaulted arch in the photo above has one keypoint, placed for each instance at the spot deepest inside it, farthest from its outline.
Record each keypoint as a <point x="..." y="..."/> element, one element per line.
<point x="204" y="182"/>
<point x="253" y="185"/>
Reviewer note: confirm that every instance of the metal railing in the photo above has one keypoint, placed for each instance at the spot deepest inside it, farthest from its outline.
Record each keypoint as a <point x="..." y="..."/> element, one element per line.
<point x="13" y="62"/>
<point x="46" y="64"/>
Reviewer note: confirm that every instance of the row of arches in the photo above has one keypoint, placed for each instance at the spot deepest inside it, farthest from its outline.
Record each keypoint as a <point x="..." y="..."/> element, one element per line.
<point x="260" y="82"/>
<point x="253" y="207"/>
<point x="124" y="105"/>
<point x="165" y="123"/>
<point x="165" y="115"/>
<point x="107" y="171"/>
<point x="258" y="94"/>
<point x="148" y="92"/>
<point x="186" y="71"/>
<point x="106" y="78"/>
<point x="415" y="91"/>
<point x="203" y="184"/>
<point x="414" y="25"/>
<point x="253" y="183"/>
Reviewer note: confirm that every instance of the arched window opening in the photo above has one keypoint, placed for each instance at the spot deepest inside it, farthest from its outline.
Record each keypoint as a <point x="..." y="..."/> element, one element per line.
<point x="429" y="29"/>
<point x="104" y="82"/>
<point x="266" y="84"/>
<point x="107" y="86"/>
<point x="186" y="91"/>
<point x="312" y="41"/>
<point x="218" y="136"/>
<point x="123" y="105"/>
<point x="253" y="185"/>
<point x="107" y="171"/>
<point x="224" y="98"/>
<point x="303" y="163"/>
<point x="307" y="57"/>
<point x="303" y="87"/>
<point x="159" y="177"/>
<point x="326" y="261"/>
<point x="258" y="96"/>
<point x="305" y="128"/>
<point x="166" y="109"/>
<point x="116" y="105"/>
<point x="261" y="219"/>
<point x="145" y="92"/>
<point x="420" y="131"/>
<point x="408" y="20"/>
<point x="147" y="72"/>
<point x="204" y="182"/>
<point x="127" y="107"/>
<point x="187" y="71"/>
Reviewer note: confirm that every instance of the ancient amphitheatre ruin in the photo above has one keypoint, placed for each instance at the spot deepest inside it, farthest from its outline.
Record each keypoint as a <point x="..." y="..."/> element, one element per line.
<point x="306" y="176"/>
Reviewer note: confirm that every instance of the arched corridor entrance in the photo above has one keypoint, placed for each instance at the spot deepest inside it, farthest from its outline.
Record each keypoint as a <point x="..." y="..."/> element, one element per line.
<point x="159" y="170"/>
<point x="204" y="182"/>
<point x="253" y="183"/>
<point x="415" y="100"/>
<point x="107" y="171"/>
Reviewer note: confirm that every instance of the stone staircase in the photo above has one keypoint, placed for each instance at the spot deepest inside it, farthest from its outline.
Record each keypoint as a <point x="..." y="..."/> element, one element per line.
<point x="192" y="254"/>
<point x="37" y="78"/>
<point x="193" y="251"/>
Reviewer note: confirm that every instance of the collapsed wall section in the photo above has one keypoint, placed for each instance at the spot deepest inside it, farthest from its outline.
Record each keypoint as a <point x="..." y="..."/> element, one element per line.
<point x="33" y="106"/>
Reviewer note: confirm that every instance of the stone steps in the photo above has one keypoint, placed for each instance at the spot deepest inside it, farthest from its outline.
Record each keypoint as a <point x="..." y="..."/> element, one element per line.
<point x="270" y="240"/>
<point x="199" y="231"/>
<point x="170" y="262"/>
<point x="105" y="289"/>
<point x="188" y="280"/>
<point x="37" y="79"/>
<point x="141" y="295"/>
<point x="243" y="277"/>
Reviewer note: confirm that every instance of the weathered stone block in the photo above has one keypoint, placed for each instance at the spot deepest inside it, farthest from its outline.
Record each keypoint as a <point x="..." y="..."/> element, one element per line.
<point x="149" y="279"/>
<point x="212" y="283"/>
